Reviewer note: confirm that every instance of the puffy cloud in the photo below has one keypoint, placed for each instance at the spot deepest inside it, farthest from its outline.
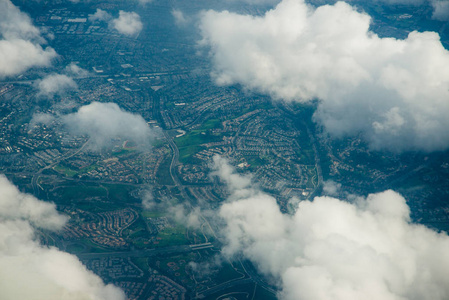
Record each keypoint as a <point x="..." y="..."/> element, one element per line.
<point x="103" y="122"/>
<point x="395" y="92"/>
<point x="333" y="249"/>
<point x="60" y="83"/>
<point x="127" y="23"/>
<point x="100" y="15"/>
<point x="31" y="271"/>
<point x="15" y="205"/>
<point x="20" y="41"/>
<point x="15" y="24"/>
<point x="55" y="84"/>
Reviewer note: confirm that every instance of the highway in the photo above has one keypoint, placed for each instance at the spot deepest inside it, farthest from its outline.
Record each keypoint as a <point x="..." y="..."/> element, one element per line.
<point x="34" y="180"/>
<point x="177" y="182"/>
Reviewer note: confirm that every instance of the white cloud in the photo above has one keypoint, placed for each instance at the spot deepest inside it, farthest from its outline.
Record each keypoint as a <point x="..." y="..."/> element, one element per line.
<point x="100" y="15"/>
<point x="20" y="43"/>
<point x="74" y="70"/>
<point x="181" y="213"/>
<point x="31" y="271"/>
<point x="257" y="2"/>
<point x="16" y="56"/>
<point x="331" y="188"/>
<point x="188" y="217"/>
<point x="103" y="122"/>
<point x="127" y="23"/>
<point x="179" y="17"/>
<point x="55" y="84"/>
<point x="331" y="249"/>
<point x="41" y="118"/>
<point x="15" y="205"/>
<point x="394" y="92"/>
<point x="226" y="172"/>
<point x="16" y="24"/>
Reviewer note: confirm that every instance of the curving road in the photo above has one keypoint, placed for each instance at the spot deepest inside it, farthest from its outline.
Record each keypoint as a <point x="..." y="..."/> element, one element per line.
<point x="56" y="162"/>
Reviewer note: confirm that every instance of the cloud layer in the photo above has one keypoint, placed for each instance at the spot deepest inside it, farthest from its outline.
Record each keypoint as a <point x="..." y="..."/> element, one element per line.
<point x="20" y="42"/>
<point x="31" y="271"/>
<point x="394" y="92"/>
<point x="332" y="249"/>
<point x="103" y="122"/>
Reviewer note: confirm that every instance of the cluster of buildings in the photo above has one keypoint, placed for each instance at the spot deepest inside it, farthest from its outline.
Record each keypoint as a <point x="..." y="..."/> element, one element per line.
<point x="105" y="229"/>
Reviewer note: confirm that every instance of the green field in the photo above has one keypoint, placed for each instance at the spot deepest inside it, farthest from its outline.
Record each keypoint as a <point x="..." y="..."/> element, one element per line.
<point x="197" y="137"/>
<point x="81" y="192"/>
<point x="153" y="214"/>
<point x="124" y="152"/>
<point x="172" y="236"/>
<point x="112" y="196"/>
<point x="65" y="170"/>
<point x="190" y="144"/>
<point x="163" y="176"/>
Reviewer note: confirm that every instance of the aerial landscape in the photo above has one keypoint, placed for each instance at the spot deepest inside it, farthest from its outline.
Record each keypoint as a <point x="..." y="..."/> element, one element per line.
<point x="229" y="150"/>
